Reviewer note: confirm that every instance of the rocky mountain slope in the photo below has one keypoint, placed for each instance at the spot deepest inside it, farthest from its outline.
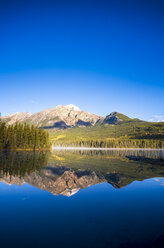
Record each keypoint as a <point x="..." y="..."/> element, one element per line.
<point x="17" y="117"/>
<point x="62" y="117"/>
<point x="115" y="118"/>
<point x="58" y="117"/>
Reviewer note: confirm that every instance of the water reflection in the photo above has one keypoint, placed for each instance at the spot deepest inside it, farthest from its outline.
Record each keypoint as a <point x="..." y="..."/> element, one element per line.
<point x="22" y="163"/>
<point x="66" y="172"/>
<point x="100" y="216"/>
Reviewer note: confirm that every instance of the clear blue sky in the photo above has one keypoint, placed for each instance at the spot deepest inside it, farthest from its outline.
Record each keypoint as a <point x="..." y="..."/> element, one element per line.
<point x="99" y="55"/>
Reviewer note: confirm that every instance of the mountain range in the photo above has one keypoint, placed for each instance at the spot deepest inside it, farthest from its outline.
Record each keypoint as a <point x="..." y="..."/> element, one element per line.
<point x="62" y="117"/>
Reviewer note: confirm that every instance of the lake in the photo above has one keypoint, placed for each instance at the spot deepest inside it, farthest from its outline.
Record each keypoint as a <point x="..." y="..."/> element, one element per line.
<point x="82" y="198"/>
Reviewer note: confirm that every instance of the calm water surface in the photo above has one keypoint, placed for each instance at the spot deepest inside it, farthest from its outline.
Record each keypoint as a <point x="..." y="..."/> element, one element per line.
<point x="82" y="199"/>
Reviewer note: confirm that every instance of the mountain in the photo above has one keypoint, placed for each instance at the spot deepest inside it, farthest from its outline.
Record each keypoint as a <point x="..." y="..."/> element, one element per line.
<point x="60" y="117"/>
<point x="115" y="118"/>
<point x="91" y="130"/>
<point x="17" y="117"/>
<point x="72" y="107"/>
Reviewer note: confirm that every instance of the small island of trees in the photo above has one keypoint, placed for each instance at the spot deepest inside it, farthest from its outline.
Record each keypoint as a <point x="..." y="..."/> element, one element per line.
<point x="23" y="137"/>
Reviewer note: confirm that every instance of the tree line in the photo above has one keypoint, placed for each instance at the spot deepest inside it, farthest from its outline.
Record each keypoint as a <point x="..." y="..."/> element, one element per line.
<point x="113" y="143"/>
<point x="23" y="136"/>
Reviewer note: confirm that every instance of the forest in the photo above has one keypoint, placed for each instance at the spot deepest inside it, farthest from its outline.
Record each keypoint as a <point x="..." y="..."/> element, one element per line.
<point x="114" y="143"/>
<point x="23" y="136"/>
<point x="125" y="135"/>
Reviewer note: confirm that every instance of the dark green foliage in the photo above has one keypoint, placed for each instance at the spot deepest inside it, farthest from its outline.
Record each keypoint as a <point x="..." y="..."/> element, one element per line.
<point x="19" y="136"/>
<point x="130" y="134"/>
<point x="114" y="143"/>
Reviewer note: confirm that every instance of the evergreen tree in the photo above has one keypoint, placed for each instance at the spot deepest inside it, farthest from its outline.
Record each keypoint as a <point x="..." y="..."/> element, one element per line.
<point x="23" y="136"/>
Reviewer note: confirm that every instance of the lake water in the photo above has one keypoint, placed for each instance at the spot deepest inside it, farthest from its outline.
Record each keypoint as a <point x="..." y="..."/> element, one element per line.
<point x="91" y="199"/>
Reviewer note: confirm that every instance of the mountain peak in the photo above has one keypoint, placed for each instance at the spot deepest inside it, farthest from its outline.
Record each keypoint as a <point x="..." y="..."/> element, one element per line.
<point x="115" y="118"/>
<point x="72" y="107"/>
<point x="114" y="113"/>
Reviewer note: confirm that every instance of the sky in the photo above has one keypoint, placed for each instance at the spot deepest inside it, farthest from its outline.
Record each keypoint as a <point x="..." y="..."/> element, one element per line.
<point x="102" y="56"/>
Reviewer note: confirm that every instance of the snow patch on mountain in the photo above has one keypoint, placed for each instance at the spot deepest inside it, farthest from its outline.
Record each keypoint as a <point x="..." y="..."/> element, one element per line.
<point x="72" y="107"/>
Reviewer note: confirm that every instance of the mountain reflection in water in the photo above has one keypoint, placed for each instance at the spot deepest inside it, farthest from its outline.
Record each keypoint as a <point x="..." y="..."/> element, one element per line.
<point x="66" y="172"/>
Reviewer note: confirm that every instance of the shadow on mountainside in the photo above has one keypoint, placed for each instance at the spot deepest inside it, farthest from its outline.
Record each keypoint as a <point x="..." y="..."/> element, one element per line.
<point x="59" y="124"/>
<point x="83" y="123"/>
<point x="63" y="125"/>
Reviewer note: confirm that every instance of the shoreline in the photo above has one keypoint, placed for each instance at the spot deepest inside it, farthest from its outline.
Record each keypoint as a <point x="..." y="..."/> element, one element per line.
<point x="103" y="148"/>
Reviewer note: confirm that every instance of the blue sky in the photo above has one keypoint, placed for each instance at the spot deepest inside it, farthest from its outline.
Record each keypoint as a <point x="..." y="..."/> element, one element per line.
<point x="102" y="56"/>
